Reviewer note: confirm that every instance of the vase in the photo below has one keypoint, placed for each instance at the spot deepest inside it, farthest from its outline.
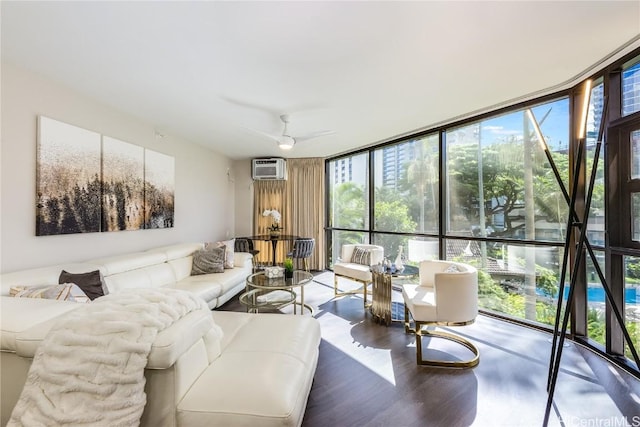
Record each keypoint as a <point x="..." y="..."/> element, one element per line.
<point x="274" y="233"/>
<point x="288" y="274"/>
<point x="399" y="264"/>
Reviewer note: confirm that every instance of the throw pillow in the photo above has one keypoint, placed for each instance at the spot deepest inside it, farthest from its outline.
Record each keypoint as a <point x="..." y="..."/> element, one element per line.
<point x="62" y="292"/>
<point x="361" y="256"/>
<point x="452" y="269"/>
<point x="228" y="256"/>
<point x="91" y="283"/>
<point x="207" y="261"/>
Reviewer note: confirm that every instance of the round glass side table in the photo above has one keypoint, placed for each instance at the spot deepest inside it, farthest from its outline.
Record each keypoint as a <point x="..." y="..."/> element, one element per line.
<point x="263" y="292"/>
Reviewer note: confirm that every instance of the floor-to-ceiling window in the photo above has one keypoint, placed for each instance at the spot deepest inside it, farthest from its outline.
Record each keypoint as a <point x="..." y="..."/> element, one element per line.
<point x="501" y="193"/>
<point x="348" y="204"/>
<point x="406" y="199"/>
<point x="493" y="191"/>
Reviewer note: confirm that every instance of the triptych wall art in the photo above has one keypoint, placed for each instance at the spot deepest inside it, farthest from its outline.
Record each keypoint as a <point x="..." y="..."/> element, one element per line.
<point x="87" y="182"/>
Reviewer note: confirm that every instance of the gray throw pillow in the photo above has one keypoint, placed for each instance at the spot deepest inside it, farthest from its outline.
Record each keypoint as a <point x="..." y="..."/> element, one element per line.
<point x="207" y="261"/>
<point x="361" y="256"/>
<point x="91" y="283"/>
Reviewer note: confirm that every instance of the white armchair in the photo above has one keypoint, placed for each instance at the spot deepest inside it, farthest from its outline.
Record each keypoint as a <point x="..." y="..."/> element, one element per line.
<point x="446" y="296"/>
<point x="359" y="269"/>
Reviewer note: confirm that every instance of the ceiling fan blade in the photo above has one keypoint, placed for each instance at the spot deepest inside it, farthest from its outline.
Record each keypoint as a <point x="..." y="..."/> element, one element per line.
<point x="252" y="105"/>
<point x="259" y="132"/>
<point x="316" y="134"/>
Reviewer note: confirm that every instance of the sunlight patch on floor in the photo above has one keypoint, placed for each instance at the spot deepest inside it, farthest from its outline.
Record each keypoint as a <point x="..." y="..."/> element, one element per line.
<point x="380" y="358"/>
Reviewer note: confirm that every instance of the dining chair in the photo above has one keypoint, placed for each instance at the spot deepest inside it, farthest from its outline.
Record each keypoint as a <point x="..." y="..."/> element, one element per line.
<point x="303" y="249"/>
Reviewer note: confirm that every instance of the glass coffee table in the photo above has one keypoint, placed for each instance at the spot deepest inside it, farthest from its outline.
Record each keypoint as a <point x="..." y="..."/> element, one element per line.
<point x="264" y="293"/>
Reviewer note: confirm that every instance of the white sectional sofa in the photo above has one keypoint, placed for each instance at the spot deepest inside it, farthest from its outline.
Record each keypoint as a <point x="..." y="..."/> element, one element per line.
<point x="168" y="266"/>
<point x="259" y="373"/>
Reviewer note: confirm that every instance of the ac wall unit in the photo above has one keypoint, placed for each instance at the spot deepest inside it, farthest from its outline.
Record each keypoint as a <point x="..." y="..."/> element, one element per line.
<point x="269" y="169"/>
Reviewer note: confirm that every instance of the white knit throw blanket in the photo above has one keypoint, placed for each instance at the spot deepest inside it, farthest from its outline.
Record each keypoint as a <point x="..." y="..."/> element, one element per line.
<point x="89" y="370"/>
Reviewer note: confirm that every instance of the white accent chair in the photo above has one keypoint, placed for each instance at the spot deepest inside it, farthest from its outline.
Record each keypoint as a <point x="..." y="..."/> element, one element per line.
<point x="343" y="267"/>
<point x="447" y="295"/>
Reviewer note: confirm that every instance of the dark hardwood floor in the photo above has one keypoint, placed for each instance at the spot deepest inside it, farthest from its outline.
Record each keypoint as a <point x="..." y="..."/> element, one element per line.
<point x="367" y="375"/>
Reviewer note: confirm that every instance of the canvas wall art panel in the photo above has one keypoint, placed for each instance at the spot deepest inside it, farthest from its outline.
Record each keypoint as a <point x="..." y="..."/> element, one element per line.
<point x="68" y="180"/>
<point x="159" y="190"/>
<point x="122" y="185"/>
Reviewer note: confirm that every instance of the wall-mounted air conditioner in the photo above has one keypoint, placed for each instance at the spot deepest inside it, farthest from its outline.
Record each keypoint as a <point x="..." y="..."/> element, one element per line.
<point x="269" y="169"/>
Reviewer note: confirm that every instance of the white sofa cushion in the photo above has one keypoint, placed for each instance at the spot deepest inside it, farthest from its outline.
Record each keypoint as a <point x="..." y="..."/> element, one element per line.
<point x="421" y="301"/>
<point x="263" y="376"/>
<point x="205" y="286"/>
<point x="355" y="271"/>
<point x="179" y="250"/>
<point x="231" y="323"/>
<point x="294" y="336"/>
<point x="128" y="280"/>
<point x="181" y="267"/>
<point x="247" y="389"/>
<point x="28" y="314"/>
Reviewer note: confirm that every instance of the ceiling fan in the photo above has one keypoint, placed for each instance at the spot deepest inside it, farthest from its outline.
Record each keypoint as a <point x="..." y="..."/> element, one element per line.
<point x="286" y="141"/>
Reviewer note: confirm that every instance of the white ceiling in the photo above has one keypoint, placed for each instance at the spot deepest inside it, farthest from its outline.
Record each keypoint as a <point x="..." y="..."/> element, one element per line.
<point x="370" y="71"/>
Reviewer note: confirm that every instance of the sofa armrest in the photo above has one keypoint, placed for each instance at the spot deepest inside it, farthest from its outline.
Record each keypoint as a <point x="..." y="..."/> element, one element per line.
<point x="242" y="259"/>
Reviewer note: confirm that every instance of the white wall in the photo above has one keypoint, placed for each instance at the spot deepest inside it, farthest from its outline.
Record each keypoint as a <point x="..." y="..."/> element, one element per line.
<point x="204" y="194"/>
<point x="244" y="197"/>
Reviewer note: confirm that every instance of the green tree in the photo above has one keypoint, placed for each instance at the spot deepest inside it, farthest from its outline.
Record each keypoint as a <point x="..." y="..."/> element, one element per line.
<point x="349" y="208"/>
<point x="418" y="184"/>
<point x="392" y="216"/>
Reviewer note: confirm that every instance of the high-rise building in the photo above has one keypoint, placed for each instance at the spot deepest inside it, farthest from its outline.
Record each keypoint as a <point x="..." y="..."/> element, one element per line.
<point x="394" y="158"/>
<point x="631" y="88"/>
<point x="350" y="169"/>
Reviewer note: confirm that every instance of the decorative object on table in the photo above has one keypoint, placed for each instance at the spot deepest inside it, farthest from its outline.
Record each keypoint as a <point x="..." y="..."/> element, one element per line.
<point x="288" y="268"/>
<point x="399" y="265"/>
<point x="274" y="228"/>
<point x="273" y="272"/>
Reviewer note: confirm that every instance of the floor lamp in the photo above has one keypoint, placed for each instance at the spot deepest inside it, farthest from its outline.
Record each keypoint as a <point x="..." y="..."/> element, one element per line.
<point x="574" y="223"/>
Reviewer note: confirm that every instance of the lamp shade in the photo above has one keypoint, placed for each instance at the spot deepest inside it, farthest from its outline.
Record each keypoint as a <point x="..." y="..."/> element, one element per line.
<point x="286" y="142"/>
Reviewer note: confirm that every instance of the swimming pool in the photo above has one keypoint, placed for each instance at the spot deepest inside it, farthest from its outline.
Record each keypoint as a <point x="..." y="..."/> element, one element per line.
<point x="597" y="294"/>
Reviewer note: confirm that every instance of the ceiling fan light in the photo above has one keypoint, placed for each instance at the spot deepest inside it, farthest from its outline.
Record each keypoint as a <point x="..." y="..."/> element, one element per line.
<point x="286" y="142"/>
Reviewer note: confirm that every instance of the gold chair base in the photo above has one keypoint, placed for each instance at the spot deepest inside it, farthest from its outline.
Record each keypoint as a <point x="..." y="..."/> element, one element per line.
<point x="419" y="332"/>
<point x="363" y="290"/>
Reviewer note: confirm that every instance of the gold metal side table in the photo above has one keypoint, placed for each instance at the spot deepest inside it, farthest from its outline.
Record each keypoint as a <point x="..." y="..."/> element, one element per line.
<point x="383" y="308"/>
